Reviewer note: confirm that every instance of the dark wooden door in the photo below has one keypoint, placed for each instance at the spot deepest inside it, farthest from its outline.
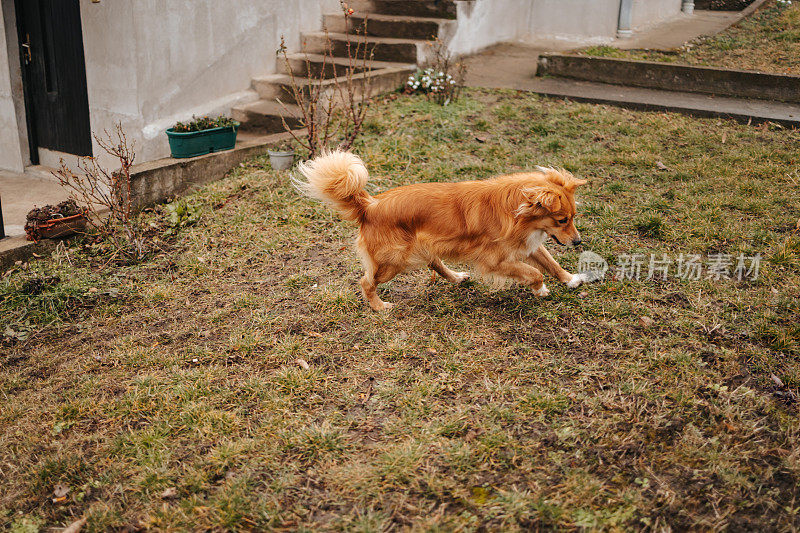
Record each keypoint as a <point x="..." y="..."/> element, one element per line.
<point x="54" y="76"/>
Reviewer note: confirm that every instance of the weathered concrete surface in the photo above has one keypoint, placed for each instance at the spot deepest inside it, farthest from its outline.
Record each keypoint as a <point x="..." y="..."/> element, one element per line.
<point x="743" y="110"/>
<point x="672" y="77"/>
<point x="502" y="66"/>
<point x="511" y="66"/>
<point x="402" y="27"/>
<point x="683" y="28"/>
<point x="22" y="192"/>
<point x="157" y="181"/>
<point x="13" y="249"/>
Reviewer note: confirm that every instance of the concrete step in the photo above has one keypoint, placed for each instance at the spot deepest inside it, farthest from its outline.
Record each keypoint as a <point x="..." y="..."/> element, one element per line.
<point x="265" y="116"/>
<point x="368" y="84"/>
<point x="415" y="8"/>
<point x="402" y="27"/>
<point x="378" y="48"/>
<point x="740" y="109"/>
<point x="317" y="65"/>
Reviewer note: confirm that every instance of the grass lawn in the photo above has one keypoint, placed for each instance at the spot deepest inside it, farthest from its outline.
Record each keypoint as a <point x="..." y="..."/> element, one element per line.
<point x="767" y="41"/>
<point x="464" y="407"/>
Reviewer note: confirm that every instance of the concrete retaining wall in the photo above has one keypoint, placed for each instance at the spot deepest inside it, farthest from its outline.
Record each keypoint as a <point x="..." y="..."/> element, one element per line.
<point x="667" y="76"/>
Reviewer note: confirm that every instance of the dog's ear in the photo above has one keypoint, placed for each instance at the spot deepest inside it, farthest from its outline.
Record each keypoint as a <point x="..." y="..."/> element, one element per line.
<point x="573" y="183"/>
<point x="539" y="201"/>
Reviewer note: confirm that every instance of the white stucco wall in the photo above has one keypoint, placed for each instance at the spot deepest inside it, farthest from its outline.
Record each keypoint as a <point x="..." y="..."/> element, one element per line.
<point x="583" y="21"/>
<point x="11" y="156"/>
<point x="650" y="12"/>
<point x="482" y="23"/>
<point x="150" y="63"/>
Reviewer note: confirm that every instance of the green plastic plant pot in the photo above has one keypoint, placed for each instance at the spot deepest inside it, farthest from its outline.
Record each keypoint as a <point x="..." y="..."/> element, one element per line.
<point x="194" y="143"/>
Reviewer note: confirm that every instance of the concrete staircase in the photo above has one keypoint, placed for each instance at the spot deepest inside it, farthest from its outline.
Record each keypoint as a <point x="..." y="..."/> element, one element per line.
<point x="398" y="34"/>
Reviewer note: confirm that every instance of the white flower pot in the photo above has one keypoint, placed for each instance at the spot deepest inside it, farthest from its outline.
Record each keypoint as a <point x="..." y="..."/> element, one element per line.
<point x="281" y="160"/>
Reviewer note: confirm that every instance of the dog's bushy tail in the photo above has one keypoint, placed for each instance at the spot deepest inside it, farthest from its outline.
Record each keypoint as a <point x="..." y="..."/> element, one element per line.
<point x="338" y="179"/>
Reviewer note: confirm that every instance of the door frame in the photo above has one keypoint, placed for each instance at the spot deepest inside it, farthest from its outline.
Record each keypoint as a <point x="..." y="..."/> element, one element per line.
<point x="33" y="145"/>
<point x="28" y="100"/>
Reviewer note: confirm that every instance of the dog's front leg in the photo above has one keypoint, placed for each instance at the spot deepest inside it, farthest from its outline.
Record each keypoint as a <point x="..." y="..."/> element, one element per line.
<point x="543" y="258"/>
<point x="523" y="273"/>
<point x="453" y="277"/>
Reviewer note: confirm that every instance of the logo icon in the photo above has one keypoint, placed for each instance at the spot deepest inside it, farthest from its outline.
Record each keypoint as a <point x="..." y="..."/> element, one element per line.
<point x="592" y="266"/>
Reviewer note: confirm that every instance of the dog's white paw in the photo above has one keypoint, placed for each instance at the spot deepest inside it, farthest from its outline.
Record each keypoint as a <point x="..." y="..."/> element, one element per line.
<point x="577" y="280"/>
<point x="460" y="277"/>
<point x="542" y="292"/>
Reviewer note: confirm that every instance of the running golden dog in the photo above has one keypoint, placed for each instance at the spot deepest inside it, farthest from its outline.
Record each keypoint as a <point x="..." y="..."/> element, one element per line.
<point x="499" y="225"/>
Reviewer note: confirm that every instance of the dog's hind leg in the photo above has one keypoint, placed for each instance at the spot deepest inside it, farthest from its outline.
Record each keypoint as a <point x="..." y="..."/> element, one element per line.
<point x="453" y="277"/>
<point x="370" y="281"/>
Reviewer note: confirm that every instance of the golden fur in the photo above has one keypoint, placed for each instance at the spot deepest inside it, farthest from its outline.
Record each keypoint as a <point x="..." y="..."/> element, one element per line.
<point x="498" y="225"/>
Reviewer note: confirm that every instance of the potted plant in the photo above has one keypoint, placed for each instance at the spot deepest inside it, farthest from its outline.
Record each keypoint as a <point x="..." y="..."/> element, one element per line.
<point x="53" y="221"/>
<point x="202" y="135"/>
<point x="281" y="156"/>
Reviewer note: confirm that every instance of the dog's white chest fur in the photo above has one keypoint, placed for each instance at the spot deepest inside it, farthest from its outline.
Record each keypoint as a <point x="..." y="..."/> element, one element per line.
<point x="535" y="239"/>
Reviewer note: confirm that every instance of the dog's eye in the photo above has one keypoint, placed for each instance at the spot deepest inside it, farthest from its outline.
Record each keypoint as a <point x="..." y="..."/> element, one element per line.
<point x="562" y="221"/>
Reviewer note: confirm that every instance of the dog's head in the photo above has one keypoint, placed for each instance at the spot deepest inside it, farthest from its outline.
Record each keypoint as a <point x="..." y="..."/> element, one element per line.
<point x="551" y="205"/>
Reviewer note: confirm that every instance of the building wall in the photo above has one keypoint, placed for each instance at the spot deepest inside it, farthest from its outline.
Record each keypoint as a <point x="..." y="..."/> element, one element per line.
<point x="11" y="149"/>
<point x="649" y="12"/>
<point x="151" y="63"/>
<point x="584" y="21"/>
<point x="482" y="23"/>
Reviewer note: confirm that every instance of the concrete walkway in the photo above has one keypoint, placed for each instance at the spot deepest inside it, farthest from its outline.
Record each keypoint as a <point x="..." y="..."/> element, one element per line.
<point x="678" y="31"/>
<point x="19" y="193"/>
<point x="513" y="66"/>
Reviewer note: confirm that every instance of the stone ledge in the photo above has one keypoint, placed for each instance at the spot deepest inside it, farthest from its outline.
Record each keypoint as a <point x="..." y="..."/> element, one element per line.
<point x="672" y="77"/>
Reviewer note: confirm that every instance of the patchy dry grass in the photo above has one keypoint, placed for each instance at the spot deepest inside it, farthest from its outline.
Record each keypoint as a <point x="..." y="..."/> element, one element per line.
<point x="767" y="41"/>
<point x="465" y="407"/>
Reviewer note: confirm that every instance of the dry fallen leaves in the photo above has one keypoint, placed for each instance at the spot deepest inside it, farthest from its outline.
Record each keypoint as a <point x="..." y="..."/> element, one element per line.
<point x="303" y="363"/>
<point x="74" y="527"/>
<point x="169" y="494"/>
<point x="661" y="166"/>
<point x="646" y="321"/>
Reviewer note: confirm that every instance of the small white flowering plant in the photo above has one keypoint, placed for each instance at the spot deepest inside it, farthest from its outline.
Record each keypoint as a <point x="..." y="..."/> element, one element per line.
<point x="784" y="3"/>
<point x="430" y="81"/>
<point x="442" y="81"/>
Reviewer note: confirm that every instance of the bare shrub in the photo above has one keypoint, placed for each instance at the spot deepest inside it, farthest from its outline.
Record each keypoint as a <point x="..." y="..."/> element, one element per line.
<point x="333" y="109"/>
<point x="106" y="195"/>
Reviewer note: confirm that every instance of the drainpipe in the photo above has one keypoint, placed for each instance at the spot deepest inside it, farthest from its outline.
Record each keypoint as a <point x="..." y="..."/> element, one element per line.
<point x="624" y="24"/>
<point x="688" y="7"/>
